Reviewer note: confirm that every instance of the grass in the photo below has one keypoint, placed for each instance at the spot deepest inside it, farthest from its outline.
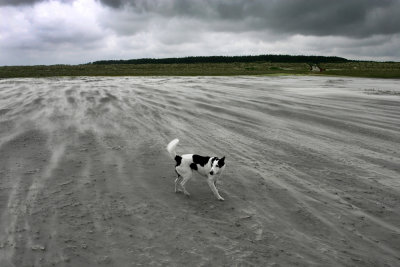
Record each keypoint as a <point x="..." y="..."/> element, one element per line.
<point x="353" y="69"/>
<point x="364" y="69"/>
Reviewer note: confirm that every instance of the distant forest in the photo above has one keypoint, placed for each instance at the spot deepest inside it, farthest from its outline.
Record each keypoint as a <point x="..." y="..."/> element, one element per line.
<point x="228" y="59"/>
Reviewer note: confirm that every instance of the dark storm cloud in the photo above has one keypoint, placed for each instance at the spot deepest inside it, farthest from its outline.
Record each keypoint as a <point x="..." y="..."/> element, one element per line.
<point x="18" y="2"/>
<point x="355" y="18"/>
<point x="76" y="31"/>
<point x="113" y="3"/>
<point x="27" y="2"/>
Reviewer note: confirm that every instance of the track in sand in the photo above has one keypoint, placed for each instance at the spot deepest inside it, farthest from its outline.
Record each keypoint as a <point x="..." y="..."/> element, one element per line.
<point x="312" y="176"/>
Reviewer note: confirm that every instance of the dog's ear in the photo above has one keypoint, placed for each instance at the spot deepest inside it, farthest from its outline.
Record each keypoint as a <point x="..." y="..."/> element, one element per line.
<point x="221" y="162"/>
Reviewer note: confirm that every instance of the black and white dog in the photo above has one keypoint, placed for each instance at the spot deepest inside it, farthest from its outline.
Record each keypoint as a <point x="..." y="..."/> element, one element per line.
<point x="211" y="167"/>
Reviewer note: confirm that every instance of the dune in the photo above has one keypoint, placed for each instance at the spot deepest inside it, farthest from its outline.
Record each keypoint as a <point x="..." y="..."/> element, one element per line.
<point x="312" y="176"/>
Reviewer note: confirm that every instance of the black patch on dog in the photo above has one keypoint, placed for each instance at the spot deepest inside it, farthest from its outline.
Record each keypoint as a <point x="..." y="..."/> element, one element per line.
<point x="200" y="160"/>
<point x="221" y="162"/>
<point x="193" y="166"/>
<point x="178" y="160"/>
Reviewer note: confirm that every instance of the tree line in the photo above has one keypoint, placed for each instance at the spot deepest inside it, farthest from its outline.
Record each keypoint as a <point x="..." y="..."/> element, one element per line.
<point x="227" y="59"/>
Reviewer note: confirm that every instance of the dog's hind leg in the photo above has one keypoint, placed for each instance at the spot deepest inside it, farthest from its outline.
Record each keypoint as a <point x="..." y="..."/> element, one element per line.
<point x="177" y="182"/>
<point x="186" y="178"/>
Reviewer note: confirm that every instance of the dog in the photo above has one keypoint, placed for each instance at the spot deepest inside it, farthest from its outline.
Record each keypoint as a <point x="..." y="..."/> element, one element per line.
<point x="210" y="167"/>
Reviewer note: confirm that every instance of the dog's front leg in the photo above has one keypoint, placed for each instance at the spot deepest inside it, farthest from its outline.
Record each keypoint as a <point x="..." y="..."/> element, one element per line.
<point x="211" y="184"/>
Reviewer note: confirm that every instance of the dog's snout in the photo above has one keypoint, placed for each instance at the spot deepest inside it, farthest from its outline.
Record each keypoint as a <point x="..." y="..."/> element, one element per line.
<point x="211" y="172"/>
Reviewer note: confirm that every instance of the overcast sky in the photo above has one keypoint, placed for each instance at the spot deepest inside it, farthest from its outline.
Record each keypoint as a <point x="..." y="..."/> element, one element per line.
<point x="80" y="31"/>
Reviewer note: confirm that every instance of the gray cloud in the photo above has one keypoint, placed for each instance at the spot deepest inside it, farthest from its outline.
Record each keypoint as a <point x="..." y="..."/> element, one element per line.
<point x="79" y="31"/>
<point x="27" y="2"/>
<point x="18" y="2"/>
<point x="356" y="18"/>
<point x="113" y="3"/>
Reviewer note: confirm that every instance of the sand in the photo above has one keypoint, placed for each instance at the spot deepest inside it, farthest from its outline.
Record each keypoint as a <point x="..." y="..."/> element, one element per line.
<point x="312" y="176"/>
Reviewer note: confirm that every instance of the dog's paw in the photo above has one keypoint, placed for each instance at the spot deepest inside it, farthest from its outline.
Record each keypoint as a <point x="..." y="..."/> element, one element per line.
<point x="221" y="199"/>
<point x="186" y="193"/>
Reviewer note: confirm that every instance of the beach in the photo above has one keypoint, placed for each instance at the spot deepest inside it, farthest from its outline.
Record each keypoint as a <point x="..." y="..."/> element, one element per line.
<point x="311" y="179"/>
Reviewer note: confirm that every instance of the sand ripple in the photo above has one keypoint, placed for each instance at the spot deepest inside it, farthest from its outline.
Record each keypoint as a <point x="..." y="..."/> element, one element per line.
<point x="312" y="176"/>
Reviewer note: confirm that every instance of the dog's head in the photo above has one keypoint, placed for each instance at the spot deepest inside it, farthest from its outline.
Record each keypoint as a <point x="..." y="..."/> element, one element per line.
<point x="217" y="166"/>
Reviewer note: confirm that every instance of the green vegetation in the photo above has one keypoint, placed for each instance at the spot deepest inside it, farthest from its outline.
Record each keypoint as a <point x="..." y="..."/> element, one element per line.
<point x="199" y="69"/>
<point x="329" y="65"/>
<point x="227" y="59"/>
<point x="363" y="69"/>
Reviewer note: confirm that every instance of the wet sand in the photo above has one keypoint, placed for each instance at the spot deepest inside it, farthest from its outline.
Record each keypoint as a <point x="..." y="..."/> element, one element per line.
<point x="312" y="176"/>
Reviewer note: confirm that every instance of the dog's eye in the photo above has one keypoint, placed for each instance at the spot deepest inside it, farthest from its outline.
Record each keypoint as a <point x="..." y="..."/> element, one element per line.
<point x="217" y="166"/>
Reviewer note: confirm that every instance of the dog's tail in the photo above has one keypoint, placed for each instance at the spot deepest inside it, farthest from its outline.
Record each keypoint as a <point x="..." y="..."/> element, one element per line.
<point x="171" y="148"/>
